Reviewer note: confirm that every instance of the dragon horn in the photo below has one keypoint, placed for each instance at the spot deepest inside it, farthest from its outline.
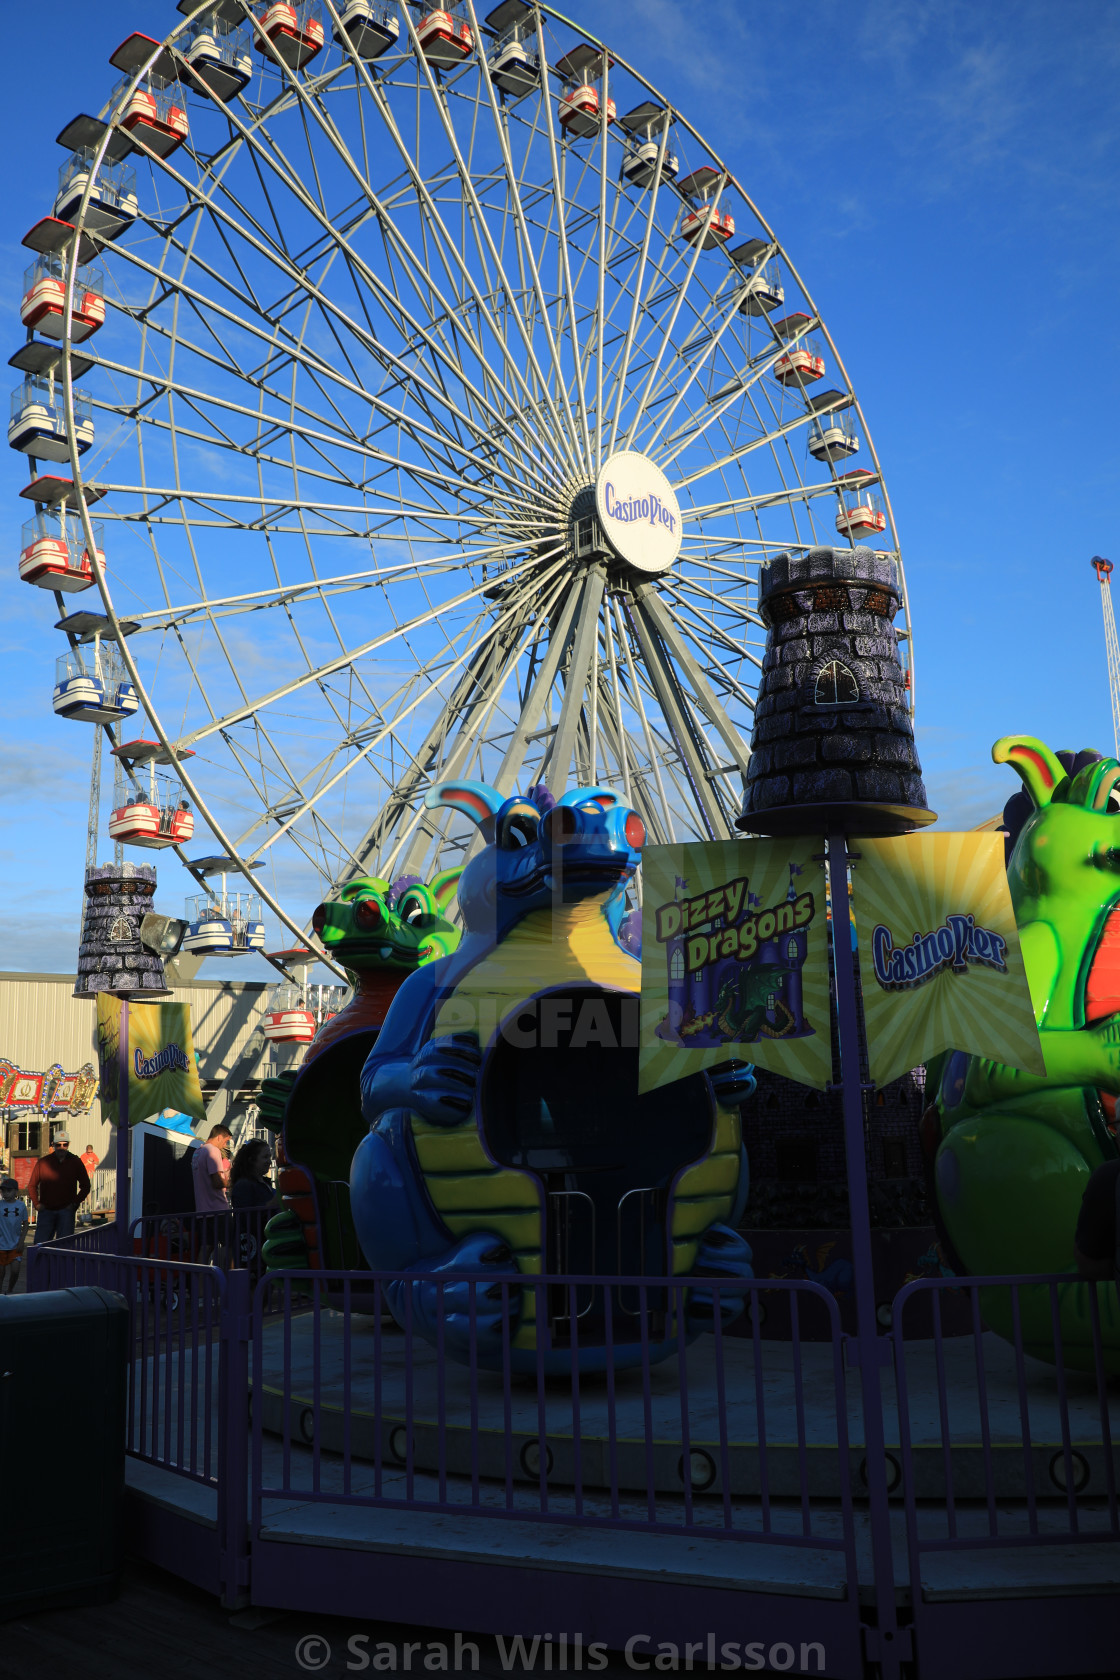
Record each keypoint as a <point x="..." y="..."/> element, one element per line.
<point x="477" y="800"/>
<point x="1040" y="770"/>
<point x="442" y="886"/>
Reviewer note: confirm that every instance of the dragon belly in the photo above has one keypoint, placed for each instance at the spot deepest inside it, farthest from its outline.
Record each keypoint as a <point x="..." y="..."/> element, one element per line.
<point x="561" y="1159"/>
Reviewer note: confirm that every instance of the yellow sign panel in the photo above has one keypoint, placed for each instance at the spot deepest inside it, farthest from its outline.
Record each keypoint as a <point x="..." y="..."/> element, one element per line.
<point x="939" y="953"/>
<point x="158" y="1054"/>
<point x="734" y="960"/>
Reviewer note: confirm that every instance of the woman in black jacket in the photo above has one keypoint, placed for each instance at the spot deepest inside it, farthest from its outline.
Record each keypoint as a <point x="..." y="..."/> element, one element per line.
<point x="249" y="1185"/>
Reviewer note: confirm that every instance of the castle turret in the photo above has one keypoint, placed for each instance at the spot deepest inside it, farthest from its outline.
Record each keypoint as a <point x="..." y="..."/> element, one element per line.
<point x="832" y="740"/>
<point x="112" y="956"/>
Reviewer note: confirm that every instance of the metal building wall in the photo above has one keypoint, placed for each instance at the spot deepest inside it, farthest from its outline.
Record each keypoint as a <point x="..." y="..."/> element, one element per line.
<point x="41" y="1023"/>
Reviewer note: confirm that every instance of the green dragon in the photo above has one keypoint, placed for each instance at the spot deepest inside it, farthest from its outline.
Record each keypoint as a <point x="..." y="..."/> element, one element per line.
<point x="1014" y="1151"/>
<point x="381" y="934"/>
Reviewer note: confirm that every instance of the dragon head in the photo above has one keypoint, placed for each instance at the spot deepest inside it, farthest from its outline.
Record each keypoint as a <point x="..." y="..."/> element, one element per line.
<point x="375" y="925"/>
<point x="1064" y="876"/>
<point x="540" y="851"/>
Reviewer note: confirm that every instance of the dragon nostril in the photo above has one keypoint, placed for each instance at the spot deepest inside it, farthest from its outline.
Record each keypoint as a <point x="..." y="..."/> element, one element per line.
<point x="319" y="918"/>
<point x="560" y="824"/>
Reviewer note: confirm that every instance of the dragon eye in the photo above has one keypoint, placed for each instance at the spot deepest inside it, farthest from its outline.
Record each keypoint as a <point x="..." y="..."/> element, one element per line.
<point x="635" y="831"/>
<point x="319" y="918"/>
<point x="518" y="826"/>
<point x="412" y="909"/>
<point x="1113" y="805"/>
<point x="368" y="914"/>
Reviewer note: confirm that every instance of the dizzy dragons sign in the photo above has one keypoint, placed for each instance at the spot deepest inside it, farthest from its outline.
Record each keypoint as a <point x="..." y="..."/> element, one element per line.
<point x="734" y="954"/>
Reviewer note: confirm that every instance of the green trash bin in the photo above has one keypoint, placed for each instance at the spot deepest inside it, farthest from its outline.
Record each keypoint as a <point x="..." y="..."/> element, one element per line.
<point x="63" y="1395"/>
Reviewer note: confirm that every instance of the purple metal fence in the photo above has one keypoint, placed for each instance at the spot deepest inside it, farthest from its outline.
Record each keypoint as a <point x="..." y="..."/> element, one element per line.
<point x="349" y="1409"/>
<point x="1021" y="1450"/>
<point x="303" y="1392"/>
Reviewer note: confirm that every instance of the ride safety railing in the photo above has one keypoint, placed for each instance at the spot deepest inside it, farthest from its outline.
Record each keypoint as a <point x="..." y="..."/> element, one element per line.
<point x="1007" y="1429"/>
<point x="676" y="1407"/>
<point x="564" y="1399"/>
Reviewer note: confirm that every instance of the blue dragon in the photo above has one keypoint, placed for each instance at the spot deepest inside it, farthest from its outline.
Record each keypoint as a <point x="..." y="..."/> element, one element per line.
<point x="506" y="1135"/>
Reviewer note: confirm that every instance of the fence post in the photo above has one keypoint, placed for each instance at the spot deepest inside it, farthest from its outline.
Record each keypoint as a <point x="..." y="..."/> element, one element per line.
<point x="233" y="1438"/>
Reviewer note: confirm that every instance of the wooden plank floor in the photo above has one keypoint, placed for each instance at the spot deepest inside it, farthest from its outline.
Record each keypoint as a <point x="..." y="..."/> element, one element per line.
<point x="162" y="1629"/>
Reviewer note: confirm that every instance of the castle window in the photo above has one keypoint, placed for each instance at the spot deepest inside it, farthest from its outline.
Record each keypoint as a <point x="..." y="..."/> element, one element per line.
<point x="676" y="964"/>
<point x="791" y="950"/>
<point x="836" y="685"/>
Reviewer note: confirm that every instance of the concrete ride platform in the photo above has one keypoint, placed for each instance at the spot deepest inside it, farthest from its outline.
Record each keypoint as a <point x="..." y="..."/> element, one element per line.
<point x="503" y="1442"/>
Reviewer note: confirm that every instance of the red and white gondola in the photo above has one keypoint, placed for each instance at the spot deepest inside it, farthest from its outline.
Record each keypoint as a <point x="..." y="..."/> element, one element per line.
<point x="294" y="31"/>
<point x="43" y="305"/>
<point x="445" y="38"/>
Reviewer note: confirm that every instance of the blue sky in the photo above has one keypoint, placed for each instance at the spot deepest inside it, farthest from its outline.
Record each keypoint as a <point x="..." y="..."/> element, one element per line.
<point x="946" y="179"/>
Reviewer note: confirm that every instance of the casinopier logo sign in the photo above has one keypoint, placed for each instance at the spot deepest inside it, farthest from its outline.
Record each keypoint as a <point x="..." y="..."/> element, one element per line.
<point x="953" y="946"/>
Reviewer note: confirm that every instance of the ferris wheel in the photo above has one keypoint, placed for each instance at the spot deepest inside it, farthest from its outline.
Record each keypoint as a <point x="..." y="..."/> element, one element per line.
<point x="439" y="395"/>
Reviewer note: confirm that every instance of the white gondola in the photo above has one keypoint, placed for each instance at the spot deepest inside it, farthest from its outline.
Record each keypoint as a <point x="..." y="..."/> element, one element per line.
<point x="113" y="205"/>
<point x="368" y="28"/>
<point x="833" y="437"/>
<point x="763" y="291"/>
<point x="445" y="37"/>
<point x="210" y="933"/>
<point x="647" y="123"/>
<point x="581" y="107"/>
<point x="53" y="552"/>
<point x="293" y="29"/>
<point x="90" y="685"/>
<point x="514" y="67"/>
<point x="703" y="223"/>
<point x="801" y="365"/>
<point x="156" y="818"/>
<point x="224" y="923"/>
<point x="43" y="305"/>
<point x="287" y="1019"/>
<point x="38" y="421"/>
<point x="216" y="51"/>
<point x="861" y="513"/>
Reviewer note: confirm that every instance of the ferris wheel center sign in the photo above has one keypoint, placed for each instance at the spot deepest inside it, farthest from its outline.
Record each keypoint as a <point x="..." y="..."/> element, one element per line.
<point x="638" y="511"/>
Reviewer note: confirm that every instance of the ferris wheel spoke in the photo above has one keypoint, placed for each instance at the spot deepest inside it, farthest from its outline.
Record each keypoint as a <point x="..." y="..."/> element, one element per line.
<point x="637" y="283"/>
<point x="682" y="293"/>
<point x="697" y="368"/>
<point x="675" y="711"/>
<point x="653" y="756"/>
<point x="524" y="244"/>
<point x="466" y="740"/>
<point x="390" y="728"/>
<point x="341" y="661"/>
<point x="301" y="280"/>
<point x="768" y="437"/>
<point x="585" y="638"/>
<point x="703" y="642"/>
<point x="650" y="606"/>
<point x="487" y="248"/>
<point x="562" y="250"/>
<point x="744" y="386"/>
<point x="448" y="245"/>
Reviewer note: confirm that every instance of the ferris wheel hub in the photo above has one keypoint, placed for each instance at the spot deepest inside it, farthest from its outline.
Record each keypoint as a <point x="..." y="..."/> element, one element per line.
<point x="638" y="511"/>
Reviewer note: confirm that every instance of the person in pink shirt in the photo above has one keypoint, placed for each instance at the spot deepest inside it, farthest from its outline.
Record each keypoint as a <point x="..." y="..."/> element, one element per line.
<point x="209" y="1172"/>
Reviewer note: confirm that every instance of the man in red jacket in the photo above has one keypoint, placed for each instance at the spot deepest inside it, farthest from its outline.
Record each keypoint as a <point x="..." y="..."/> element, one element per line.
<point x="58" y="1185"/>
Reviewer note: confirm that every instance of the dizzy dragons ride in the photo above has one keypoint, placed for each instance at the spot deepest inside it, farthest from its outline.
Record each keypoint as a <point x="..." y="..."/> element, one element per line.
<point x="1014" y="1151"/>
<point x="507" y="1137"/>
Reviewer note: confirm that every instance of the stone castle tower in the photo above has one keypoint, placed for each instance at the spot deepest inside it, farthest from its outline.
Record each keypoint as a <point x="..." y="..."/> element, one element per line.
<point x="112" y="956"/>
<point x="832" y="740"/>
